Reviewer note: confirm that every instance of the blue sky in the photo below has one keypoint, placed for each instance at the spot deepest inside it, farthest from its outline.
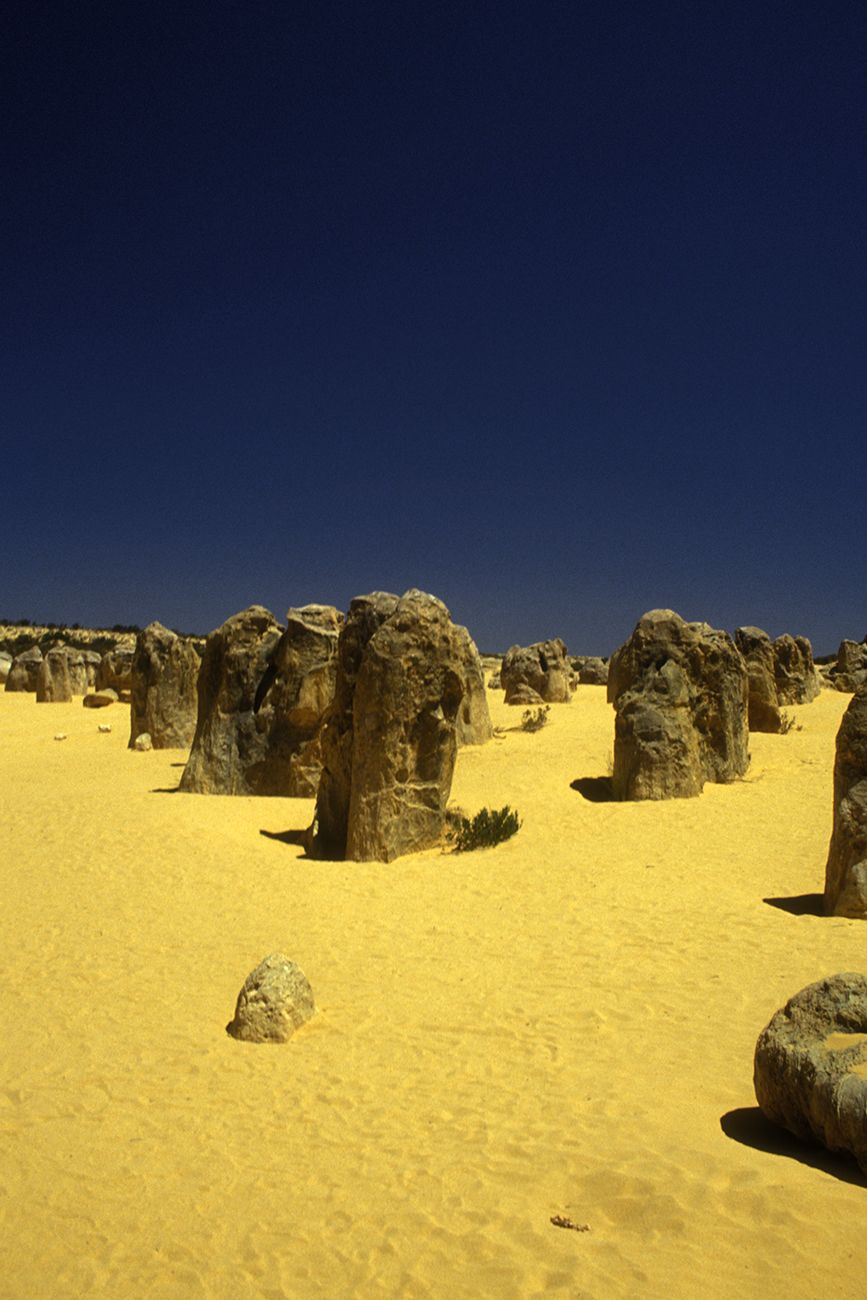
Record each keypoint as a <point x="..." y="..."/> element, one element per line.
<point x="555" y="310"/>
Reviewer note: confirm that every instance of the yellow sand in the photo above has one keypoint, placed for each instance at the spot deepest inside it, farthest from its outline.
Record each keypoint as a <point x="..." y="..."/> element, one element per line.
<point x="561" y="1026"/>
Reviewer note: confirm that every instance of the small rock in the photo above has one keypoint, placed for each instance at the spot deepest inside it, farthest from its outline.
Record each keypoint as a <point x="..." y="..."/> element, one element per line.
<point x="104" y="727"/>
<point x="143" y="742"/>
<point x="276" y="999"/>
<point x="60" y="735"/>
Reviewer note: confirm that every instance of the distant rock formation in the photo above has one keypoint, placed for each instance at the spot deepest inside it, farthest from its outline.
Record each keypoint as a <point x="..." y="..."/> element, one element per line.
<point x="275" y="1000"/>
<point x="54" y="682"/>
<point x="590" y="670"/>
<point x="240" y="748"/>
<point x="846" y="868"/>
<point x="537" y="674"/>
<point x="794" y="671"/>
<point x="850" y="670"/>
<point x="114" y="670"/>
<point x="810" y="1070"/>
<point x="764" y="705"/>
<point x="24" y="670"/>
<point x="389" y="740"/>
<point x="5" y="665"/>
<point x="680" y="694"/>
<point x="474" y="725"/>
<point x="164" y="672"/>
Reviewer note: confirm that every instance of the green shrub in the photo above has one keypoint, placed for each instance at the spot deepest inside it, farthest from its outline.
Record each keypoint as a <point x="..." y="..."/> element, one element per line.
<point x="535" y="719"/>
<point x="487" y="828"/>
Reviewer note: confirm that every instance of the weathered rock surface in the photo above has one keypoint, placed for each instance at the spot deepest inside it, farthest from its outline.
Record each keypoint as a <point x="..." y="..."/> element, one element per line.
<point x="810" y="1070"/>
<point x="846" y="868"/>
<point x="764" y="705"/>
<point x="680" y="694"/>
<point x="542" y="668"/>
<point x="390" y="738"/>
<point x="114" y="670"/>
<point x="474" y="725"/>
<point x="794" y="670"/>
<point x="850" y="670"/>
<point x="240" y="748"/>
<point x="24" y="670"/>
<point x="164" y="673"/>
<point x="590" y="670"/>
<point x="100" y="699"/>
<point x="54" y="683"/>
<point x="275" y="1000"/>
<point x="142" y="742"/>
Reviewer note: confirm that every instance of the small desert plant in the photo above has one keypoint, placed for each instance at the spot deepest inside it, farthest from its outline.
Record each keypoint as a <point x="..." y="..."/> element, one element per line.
<point x="788" y="723"/>
<point x="535" y="719"/>
<point x="487" y="828"/>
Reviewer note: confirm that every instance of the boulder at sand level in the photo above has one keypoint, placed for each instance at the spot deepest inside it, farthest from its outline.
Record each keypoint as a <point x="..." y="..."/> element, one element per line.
<point x="590" y="670"/>
<point x="142" y="743"/>
<point x="537" y="674"/>
<point x="810" y="1069"/>
<point x="390" y="738"/>
<point x="846" y="868"/>
<point x="241" y="749"/>
<point x="100" y="699"/>
<point x="794" y="670"/>
<point x="275" y="1000"/>
<point x="763" y="704"/>
<point x="54" y="684"/>
<point x="164" y="672"/>
<point x="24" y="670"/>
<point x="680" y="696"/>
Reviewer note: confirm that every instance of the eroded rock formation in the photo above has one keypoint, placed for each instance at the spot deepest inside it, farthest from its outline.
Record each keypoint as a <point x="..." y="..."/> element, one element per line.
<point x="390" y="738"/>
<point x="810" y="1070"/>
<point x="794" y="671"/>
<point x="262" y="692"/>
<point x="680" y="694"/>
<point x="164" y="672"/>
<point x="764" y="705"/>
<point x="846" y="868"/>
<point x="54" y="681"/>
<point x="275" y="1000"/>
<point x="537" y="674"/>
<point x="850" y="670"/>
<point x="24" y="670"/>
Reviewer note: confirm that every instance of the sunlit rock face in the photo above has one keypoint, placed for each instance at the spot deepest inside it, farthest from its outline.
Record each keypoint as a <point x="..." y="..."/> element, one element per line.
<point x="537" y="674"/>
<point x="794" y="670"/>
<point x="165" y="669"/>
<point x="764" y="705"/>
<point x="390" y="739"/>
<point x="846" y="868"/>
<point x="680" y="693"/>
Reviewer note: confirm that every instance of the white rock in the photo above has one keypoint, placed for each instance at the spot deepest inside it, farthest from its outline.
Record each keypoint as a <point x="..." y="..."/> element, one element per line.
<point x="104" y="727"/>
<point x="143" y="742"/>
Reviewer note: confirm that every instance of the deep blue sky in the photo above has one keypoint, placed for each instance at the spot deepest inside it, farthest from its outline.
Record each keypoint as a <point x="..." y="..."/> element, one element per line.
<point x="553" y="309"/>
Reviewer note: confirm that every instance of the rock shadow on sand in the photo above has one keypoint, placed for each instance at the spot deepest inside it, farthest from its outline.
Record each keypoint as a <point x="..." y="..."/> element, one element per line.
<point x="296" y="837"/>
<point x="799" y="904"/>
<point x="749" y="1126"/>
<point x="597" y="789"/>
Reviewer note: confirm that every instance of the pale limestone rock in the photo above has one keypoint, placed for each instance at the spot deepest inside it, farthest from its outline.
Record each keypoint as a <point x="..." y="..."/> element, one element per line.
<point x="275" y="1000"/>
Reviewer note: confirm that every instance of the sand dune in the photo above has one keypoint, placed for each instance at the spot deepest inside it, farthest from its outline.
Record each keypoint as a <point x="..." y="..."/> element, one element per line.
<point x="563" y="1025"/>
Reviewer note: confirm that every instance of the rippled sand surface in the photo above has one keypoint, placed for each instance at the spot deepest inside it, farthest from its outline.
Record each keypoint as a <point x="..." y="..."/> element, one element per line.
<point x="561" y="1026"/>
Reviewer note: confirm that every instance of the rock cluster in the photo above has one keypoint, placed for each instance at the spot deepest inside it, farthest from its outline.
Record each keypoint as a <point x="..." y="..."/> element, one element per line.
<point x="846" y="868"/>
<point x="262" y="691"/>
<point x="590" y="670"/>
<point x="389" y="740"/>
<point x="680" y="694"/>
<point x="810" y="1071"/>
<point x="275" y="1000"/>
<point x="115" y="670"/>
<point x="164" y="672"/>
<point x="537" y="674"/>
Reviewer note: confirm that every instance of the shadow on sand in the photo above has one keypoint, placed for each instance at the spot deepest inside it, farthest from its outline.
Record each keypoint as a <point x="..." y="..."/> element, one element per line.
<point x="165" y="789"/>
<point x="598" y="789"/>
<point x="748" y="1126"/>
<point x="288" y="837"/>
<point x="799" y="904"/>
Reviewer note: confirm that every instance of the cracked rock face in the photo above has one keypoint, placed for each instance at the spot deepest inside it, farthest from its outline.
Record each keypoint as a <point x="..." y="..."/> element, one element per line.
<point x="846" y="868"/>
<point x="810" y="1070"/>
<point x="390" y="739"/>
<point x="164" y="672"/>
<point x="275" y="1000"/>
<point x="794" y="670"/>
<point x="537" y="674"/>
<point x="680" y="695"/>
<point x="262" y="690"/>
